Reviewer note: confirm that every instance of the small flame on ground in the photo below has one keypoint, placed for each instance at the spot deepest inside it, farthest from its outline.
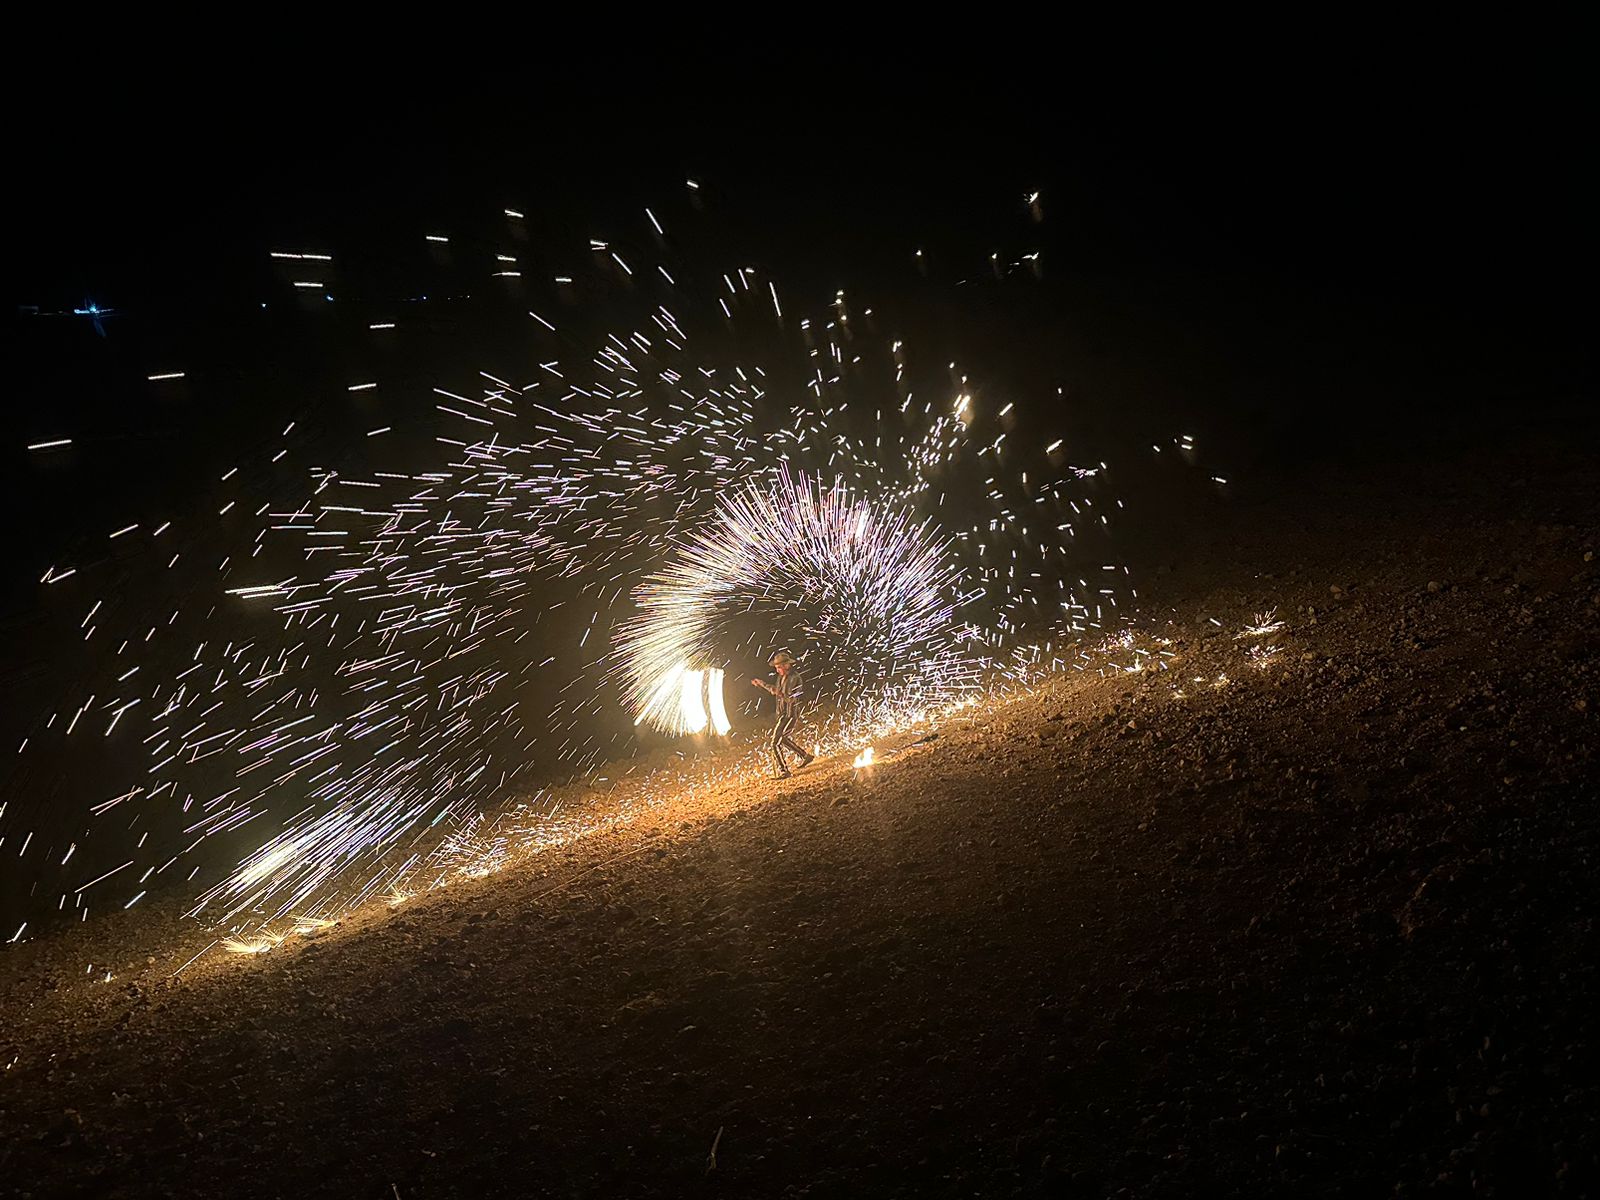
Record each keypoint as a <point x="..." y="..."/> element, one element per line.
<point x="864" y="759"/>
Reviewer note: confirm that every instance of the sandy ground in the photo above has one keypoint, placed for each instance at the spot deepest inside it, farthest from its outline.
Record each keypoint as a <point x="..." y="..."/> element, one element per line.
<point x="1319" y="927"/>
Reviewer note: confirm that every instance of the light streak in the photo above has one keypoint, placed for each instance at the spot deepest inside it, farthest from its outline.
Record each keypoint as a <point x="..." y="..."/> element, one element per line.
<point x="691" y="708"/>
<point x="719" y="713"/>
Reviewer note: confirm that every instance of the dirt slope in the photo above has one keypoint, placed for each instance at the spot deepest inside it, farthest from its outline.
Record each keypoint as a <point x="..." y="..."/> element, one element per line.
<point x="1325" y="928"/>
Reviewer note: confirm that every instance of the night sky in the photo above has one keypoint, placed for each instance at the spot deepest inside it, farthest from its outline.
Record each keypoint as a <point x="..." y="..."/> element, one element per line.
<point x="1378" y="174"/>
<point x="1334" y="251"/>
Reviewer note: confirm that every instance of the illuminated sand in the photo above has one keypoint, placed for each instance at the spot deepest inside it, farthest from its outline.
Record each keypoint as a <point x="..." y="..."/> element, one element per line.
<point x="997" y="954"/>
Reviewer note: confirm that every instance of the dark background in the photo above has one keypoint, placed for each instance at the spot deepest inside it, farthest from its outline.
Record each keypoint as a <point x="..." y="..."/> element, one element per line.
<point x="1295" y="204"/>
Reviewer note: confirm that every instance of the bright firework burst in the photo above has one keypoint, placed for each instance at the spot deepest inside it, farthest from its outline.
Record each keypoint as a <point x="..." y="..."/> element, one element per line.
<point x="334" y="702"/>
<point x="867" y="588"/>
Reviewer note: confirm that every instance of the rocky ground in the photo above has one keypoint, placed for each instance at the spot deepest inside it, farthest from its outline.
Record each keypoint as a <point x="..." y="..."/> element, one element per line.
<point x="1321" y="924"/>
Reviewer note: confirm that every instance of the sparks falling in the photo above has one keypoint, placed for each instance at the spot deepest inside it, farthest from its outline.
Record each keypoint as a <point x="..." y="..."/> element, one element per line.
<point x="330" y="684"/>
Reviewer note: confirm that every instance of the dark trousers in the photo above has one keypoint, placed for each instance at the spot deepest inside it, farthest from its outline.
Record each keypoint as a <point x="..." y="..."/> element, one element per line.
<point x="787" y="720"/>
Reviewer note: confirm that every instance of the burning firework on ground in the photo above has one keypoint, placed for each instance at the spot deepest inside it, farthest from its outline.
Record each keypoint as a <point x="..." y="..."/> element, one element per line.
<point x="334" y="705"/>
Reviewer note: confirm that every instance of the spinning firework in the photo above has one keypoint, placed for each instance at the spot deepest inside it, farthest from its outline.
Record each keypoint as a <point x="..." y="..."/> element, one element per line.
<point x="869" y="588"/>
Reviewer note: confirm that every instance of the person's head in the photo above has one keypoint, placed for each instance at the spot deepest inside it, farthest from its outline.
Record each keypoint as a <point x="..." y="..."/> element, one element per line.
<point x="783" y="661"/>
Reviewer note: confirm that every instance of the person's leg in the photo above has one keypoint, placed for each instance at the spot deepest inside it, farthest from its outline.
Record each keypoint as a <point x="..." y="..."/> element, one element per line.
<point x="804" y="755"/>
<point x="780" y="735"/>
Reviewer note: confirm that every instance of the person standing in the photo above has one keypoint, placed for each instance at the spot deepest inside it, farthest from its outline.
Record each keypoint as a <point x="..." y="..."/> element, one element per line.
<point x="790" y="694"/>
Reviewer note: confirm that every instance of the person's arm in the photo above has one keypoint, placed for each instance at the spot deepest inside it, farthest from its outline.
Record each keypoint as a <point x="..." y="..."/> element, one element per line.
<point x="764" y="686"/>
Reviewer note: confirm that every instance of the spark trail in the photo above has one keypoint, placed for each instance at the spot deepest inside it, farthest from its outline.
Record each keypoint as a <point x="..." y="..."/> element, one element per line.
<point x="872" y="590"/>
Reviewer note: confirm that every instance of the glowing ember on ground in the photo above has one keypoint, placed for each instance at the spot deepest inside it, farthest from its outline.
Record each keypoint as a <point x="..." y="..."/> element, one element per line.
<point x="864" y="759"/>
<point x="252" y="946"/>
<point x="1262" y="624"/>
